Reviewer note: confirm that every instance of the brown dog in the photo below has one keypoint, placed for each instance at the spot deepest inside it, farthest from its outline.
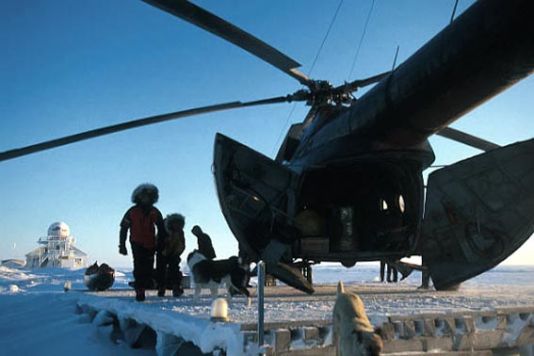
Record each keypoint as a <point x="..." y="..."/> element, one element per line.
<point x="355" y="334"/>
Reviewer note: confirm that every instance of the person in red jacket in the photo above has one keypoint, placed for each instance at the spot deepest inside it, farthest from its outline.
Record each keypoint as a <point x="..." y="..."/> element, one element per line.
<point x="142" y="219"/>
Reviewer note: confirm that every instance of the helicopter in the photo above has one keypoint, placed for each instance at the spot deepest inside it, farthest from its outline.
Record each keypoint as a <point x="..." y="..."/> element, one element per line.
<point x="346" y="184"/>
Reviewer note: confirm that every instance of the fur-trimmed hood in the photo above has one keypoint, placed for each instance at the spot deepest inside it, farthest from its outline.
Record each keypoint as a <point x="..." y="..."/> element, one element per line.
<point x="173" y="218"/>
<point x="145" y="193"/>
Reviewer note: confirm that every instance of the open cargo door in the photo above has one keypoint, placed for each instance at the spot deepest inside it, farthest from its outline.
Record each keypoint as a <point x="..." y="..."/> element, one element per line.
<point x="478" y="212"/>
<point x="257" y="198"/>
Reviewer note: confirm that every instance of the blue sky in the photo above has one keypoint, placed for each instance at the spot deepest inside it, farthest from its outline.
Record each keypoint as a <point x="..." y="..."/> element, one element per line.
<point x="71" y="66"/>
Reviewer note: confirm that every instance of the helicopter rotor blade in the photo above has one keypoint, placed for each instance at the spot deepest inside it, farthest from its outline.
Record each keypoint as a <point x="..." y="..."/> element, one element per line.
<point x="467" y="139"/>
<point x="370" y="80"/>
<point x="42" y="146"/>
<point x="221" y="28"/>
<point x="359" y="83"/>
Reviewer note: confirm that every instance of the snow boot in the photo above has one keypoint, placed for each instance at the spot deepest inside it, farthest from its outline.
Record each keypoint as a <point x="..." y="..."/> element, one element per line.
<point x="140" y="294"/>
<point x="161" y="292"/>
<point x="177" y="291"/>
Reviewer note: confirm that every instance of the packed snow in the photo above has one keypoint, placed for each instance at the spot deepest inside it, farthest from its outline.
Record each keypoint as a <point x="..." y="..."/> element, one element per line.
<point x="38" y="316"/>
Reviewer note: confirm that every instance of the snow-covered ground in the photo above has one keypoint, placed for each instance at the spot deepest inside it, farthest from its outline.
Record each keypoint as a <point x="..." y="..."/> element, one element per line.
<point x="38" y="317"/>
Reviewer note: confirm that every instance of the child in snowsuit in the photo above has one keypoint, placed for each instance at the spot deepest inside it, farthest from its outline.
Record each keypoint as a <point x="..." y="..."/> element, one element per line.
<point x="142" y="220"/>
<point x="168" y="258"/>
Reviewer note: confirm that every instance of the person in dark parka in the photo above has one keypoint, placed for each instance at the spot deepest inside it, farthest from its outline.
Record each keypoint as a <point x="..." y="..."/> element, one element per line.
<point x="142" y="219"/>
<point x="205" y="246"/>
<point x="168" y="256"/>
<point x="391" y="271"/>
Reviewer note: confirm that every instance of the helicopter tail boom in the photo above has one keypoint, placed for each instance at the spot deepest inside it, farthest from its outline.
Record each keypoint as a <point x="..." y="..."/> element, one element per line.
<point x="483" y="52"/>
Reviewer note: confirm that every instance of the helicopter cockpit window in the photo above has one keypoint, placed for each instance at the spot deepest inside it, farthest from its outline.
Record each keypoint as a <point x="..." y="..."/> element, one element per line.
<point x="402" y="206"/>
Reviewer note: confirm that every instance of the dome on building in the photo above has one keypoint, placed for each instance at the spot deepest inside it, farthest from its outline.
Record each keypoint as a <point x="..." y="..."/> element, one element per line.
<point x="58" y="230"/>
<point x="56" y="250"/>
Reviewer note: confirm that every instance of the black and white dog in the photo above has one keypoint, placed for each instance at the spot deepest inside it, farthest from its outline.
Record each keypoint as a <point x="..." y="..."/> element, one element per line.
<point x="213" y="273"/>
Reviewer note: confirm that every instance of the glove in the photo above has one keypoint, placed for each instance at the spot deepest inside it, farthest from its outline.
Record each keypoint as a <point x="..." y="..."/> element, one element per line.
<point x="122" y="250"/>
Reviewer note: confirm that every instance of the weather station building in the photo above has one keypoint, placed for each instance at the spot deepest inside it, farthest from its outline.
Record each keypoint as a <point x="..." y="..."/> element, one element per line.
<point x="57" y="250"/>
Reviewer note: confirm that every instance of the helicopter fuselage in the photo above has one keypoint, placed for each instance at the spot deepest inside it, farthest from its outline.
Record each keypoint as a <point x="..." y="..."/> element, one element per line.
<point x="346" y="184"/>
